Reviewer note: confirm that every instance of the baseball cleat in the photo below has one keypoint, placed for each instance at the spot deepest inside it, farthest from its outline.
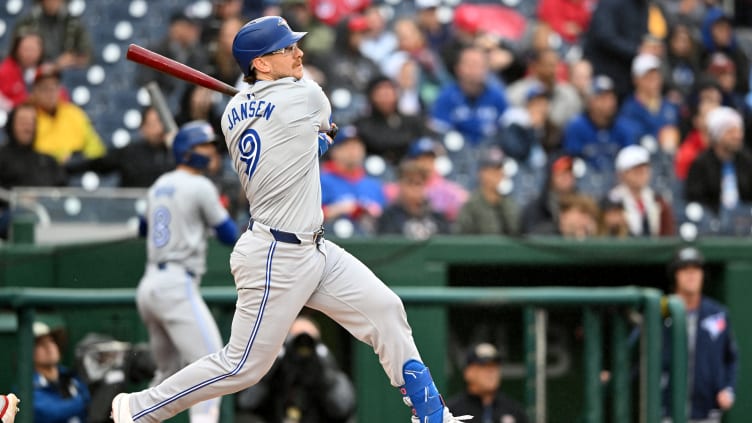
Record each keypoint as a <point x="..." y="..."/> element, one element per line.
<point x="447" y="418"/>
<point x="121" y="409"/>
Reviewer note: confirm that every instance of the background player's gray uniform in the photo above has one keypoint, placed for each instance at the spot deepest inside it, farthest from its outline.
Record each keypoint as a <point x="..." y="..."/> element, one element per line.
<point x="271" y="130"/>
<point x="182" y="209"/>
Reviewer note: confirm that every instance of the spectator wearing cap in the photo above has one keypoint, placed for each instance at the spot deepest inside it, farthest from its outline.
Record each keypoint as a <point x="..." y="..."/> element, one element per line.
<point x="721" y="68"/>
<point x="482" y="396"/>
<point x="59" y="395"/>
<point x="565" y="103"/>
<point x="651" y="118"/>
<point x="411" y="215"/>
<point x="647" y="213"/>
<point x="445" y="196"/>
<point x="708" y="96"/>
<point x="181" y="43"/>
<point x="541" y="215"/>
<point x="473" y="104"/>
<point x="614" y="38"/>
<point x="386" y="131"/>
<point x="718" y="37"/>
<point x="721" y="177"/>
<point x="64" y="130"/>
<point x="527" y="130"/>
<point x="18" y="69"/>
<point x="347" y="192"/>
<point x="67" y="43"/>
<point x="596" y="135"/>
<point x="713" y="355"/>
<point x="489" y="211"/>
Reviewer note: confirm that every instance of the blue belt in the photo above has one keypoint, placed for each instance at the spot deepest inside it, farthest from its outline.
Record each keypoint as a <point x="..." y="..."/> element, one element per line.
<point x="289" y="237"/>
<point x="162" y="265"/>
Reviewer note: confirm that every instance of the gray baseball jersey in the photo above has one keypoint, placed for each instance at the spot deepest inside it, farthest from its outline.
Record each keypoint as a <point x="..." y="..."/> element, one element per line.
<point x="182" y="209"/>
<point x="280" y="264"/>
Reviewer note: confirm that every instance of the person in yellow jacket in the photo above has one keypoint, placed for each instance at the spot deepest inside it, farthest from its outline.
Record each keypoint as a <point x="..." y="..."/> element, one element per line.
<point x="63" y="129"/>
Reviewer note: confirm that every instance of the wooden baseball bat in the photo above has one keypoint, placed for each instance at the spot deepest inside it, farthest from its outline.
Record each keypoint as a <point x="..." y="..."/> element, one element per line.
<point x="179" y="70"/>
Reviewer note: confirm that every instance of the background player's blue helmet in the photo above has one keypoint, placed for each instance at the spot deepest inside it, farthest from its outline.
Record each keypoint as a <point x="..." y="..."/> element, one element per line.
<point x="192" y="134"/>
<point x="262" y="36"/>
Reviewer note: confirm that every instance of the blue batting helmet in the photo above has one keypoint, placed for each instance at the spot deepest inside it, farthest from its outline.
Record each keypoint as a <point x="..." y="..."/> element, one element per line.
<point x="190" y="135"/>
<point x="262" y="36"/>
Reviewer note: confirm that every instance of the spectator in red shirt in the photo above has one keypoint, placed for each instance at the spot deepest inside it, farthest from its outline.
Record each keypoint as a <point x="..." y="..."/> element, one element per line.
<point x="569" y="18"/>
<point x="708" y="98"/>
<point x="18" y="69"/>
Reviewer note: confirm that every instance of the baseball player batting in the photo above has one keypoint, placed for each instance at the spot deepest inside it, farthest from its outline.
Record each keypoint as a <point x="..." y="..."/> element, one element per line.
<point x="183" y="208"/>
<point x="274" y="131"/>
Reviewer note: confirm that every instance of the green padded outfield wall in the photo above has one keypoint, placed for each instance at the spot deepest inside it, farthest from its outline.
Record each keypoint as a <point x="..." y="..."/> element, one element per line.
<point x="440" y="332"/>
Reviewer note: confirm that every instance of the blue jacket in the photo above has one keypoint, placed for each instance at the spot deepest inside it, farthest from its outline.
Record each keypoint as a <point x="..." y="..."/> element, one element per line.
<point x="60" y="402"/>
<point x="716" y="359"/>
<point x="475" y="118"/>
<point x="642" y="121"/>
<point x="597" y="146"/>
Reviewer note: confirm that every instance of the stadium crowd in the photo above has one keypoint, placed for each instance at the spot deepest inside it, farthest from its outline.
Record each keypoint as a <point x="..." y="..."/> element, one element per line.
<point x="573" y="118"/>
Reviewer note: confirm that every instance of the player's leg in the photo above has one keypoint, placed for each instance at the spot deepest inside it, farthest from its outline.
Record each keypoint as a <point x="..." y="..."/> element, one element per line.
<point x="162" y="349"/>
<point x="353" y="296"/>
<point x="274" y="281"/>
<point x="194" y="333"/>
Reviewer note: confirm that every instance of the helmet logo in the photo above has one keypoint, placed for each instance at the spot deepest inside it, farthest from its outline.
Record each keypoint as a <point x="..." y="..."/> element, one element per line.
<point x="283" y="22"/>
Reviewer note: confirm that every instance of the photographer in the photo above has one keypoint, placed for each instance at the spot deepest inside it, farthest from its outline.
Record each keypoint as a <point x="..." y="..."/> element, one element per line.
<point x="304" y="385"/>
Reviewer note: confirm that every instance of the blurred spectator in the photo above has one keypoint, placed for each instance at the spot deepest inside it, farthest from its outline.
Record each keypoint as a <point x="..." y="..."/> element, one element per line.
<point x="722" y="175"/>
<point x="647" y="213"/>
<point x="319" y="41"/>
<point x="418" y="70"/>
<point x="482" y="396"/>
<point x="411" y="215"/>
<point x="569" y="18"/>
<point x="139" y="163"/>
<point x="473" y="104"/>
<point x="20" y="165"/>
<point x="647" y="112"/>
<point x="581" y="77"/>
<point x="182" y="43"/>
<point x="564" y="101"/>
<point x="199" y="103"/>
<point x="437" y="33"/>
<point x="222" y="11"/>
<point x="597" y="135"/>
<point x="689" y="11"/>
<point x="386" y="131"/>
<point x="347" y="71"/>
<point x="713" y="356"/>
<point x="542" y="214"/>
<point x="9" y="408"/>
<point x="59" y="395"/>
<point x="379" y="41"/>
<point x="18" y="69"/>
<point x="718" y="37"/>
<point x="723" y="70"/>
<point x="612" y="221"/>
<point x="305" y="384"/>
<point x="256" y="8"/>
<point x="614" y="37"/>
<point x="444" y="196"/>
<point x="347" y="191"/>
<point x="488" y="211"/>
<point x="683" y="62"/>
<point x="222" y="64"/>
<point x="527" y="131"/>
<point x="64" y="131"/>
<point x="578" y="217"/>
<point x="66" y="41"/>
<point x="708" y="98"/>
